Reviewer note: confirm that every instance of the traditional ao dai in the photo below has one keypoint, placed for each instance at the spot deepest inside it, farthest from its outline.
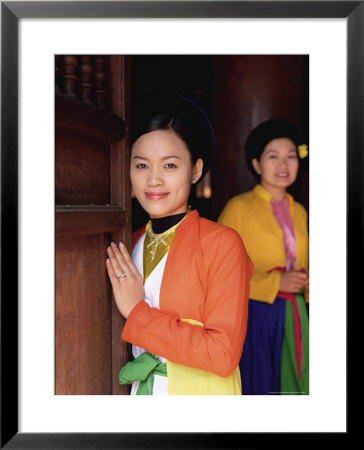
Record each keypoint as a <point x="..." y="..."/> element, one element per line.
<point x="195" y="310"/>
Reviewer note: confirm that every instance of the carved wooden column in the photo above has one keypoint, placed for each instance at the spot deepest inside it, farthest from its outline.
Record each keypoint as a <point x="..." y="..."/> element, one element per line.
<point x="85" y="74"/>
<point x="99" y="77"/>
<point x="69" y="65"/>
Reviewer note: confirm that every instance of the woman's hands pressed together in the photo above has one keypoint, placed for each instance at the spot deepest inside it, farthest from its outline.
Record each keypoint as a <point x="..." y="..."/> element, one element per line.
<point x="126" y="281"/>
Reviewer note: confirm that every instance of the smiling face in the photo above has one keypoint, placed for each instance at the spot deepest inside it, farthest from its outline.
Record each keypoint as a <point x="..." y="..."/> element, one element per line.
<point x="277" y="166"/>
<point x="161" y="173"/>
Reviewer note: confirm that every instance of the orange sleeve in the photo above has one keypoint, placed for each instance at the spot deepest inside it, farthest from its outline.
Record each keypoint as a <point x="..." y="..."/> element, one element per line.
<point x="216" y="347"/>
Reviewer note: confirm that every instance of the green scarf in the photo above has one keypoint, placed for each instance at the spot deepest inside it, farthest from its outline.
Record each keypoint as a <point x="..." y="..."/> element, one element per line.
<point x="142" y="369"/>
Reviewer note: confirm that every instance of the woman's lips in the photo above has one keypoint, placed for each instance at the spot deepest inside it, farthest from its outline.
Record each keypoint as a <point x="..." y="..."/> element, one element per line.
<point x="156" y="195"/>
<point x="282" y="174"/>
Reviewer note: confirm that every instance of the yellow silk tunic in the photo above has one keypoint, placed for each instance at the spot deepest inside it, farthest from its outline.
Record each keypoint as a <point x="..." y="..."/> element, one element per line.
<point x="251" y="215"/>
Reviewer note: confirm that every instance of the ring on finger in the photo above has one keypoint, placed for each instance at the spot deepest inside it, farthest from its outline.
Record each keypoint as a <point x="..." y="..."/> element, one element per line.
<point x="122" y="275"/>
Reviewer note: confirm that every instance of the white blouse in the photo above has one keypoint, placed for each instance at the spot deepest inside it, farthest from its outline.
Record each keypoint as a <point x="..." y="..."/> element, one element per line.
<point x="151" y="291"/>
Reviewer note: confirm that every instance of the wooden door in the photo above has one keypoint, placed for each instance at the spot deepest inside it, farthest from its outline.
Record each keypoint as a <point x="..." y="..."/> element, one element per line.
<point x="93" y="207"/>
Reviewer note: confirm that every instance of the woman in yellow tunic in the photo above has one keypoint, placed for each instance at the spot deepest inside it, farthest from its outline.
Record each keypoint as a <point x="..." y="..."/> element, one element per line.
<point x="185" y="290"/>
<point x="274" y="230"/>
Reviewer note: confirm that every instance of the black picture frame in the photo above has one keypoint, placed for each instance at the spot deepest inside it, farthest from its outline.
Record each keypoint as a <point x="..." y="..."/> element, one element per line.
<point x="11" y="12"/>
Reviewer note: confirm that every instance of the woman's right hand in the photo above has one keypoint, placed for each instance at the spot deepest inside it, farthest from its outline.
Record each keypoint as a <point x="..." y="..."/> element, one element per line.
<point x="126" y="281"/>
<point x="293" y="281"/>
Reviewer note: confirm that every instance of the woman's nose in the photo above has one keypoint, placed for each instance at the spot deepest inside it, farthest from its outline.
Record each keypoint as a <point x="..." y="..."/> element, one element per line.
<point x="283" y="162"/>
<point x="155" y="178"/>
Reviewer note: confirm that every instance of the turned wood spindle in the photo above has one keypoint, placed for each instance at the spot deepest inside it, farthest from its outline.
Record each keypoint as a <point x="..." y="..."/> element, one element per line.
<point x="84" y="76"/>
<point x="99" y="66"/>
<point x="69" y="66"/>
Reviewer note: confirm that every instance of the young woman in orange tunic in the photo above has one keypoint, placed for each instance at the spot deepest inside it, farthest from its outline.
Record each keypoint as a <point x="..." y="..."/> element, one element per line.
<point x="185" y="290"/>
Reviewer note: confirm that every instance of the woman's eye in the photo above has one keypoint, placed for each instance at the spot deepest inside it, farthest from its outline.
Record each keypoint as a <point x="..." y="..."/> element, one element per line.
<point x="170" y="166"/>
<point x="141" y="166"/>
<point x="292" y="157"/>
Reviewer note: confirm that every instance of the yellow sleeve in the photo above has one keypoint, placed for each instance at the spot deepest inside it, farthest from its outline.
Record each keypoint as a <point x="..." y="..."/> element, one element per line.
<point x="230" y="216"/>
<point x="264" y="285"/>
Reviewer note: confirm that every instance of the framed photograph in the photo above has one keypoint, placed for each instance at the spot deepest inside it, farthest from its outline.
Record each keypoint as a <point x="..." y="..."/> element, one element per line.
<point x="33" y="33"/>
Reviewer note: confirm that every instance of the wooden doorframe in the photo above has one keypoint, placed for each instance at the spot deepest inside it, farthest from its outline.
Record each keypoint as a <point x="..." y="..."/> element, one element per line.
<point x="121" y="197"/>
<point x="113" y="218"/>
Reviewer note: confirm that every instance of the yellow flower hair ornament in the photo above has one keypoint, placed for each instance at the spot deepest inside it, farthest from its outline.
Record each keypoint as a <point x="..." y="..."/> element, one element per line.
<point x="302" y="151"/>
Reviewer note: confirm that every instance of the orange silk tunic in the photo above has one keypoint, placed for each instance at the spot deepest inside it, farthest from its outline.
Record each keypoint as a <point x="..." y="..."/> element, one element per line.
<point x="205" y="281"/>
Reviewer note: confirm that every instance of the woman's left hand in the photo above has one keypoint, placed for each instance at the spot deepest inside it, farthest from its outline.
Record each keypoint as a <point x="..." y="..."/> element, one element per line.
<point x="126" y="281"/>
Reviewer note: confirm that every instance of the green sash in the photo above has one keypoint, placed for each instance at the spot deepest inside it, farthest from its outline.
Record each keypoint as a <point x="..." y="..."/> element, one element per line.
<point x="142" y="369"/>
<point x="290" y="382"/>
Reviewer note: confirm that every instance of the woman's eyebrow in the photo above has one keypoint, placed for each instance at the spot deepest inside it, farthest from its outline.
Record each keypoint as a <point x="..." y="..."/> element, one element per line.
<point x="164" y="158"/>
<point x="276" y="151"/>
<point x="171" y="156"/>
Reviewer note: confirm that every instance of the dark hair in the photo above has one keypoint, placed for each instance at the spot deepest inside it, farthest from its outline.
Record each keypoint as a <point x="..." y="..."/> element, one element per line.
<point x="166" y="110"/>
<point x="265" y="132"/>
<point x="167" y="122"/>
